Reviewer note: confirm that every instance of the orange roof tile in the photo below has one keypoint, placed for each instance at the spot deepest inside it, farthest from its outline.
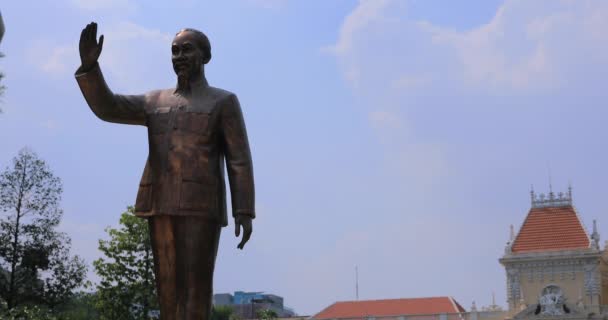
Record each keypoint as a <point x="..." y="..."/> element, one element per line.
<point x="390" y="307"/>
<point x="551" y="228"/>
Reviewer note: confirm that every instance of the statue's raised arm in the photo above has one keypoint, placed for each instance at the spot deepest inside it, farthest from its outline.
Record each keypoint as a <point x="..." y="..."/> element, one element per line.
<point x="128" y="109"/>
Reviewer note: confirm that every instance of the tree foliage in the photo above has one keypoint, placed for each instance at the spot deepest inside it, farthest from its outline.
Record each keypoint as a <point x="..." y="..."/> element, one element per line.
<point x="35" y="265"/>
<point x="33" y="312"/>
<point x="80" y="307"/>
<point x="222" y="313"/>
<point x="127" y="289"/>
<point x="267" y="314"/>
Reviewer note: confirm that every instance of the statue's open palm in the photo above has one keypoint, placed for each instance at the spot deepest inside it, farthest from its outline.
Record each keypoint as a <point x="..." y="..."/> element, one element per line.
<point x="89" y="48"/>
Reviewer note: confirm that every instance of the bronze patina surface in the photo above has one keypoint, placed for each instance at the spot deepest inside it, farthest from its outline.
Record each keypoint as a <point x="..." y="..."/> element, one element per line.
<point x="193" y="131"/>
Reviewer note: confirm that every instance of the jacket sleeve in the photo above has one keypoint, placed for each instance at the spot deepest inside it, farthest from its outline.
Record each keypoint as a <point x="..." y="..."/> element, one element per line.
<point x="127" y="109"/>
<point x="238" y="158"/>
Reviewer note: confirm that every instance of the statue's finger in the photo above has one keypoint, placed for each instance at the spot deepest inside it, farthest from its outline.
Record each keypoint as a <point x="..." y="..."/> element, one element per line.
<point x="94" y="30"/>
<point x="242" y="243"/>
<point x="100" y="42"/>
<point x="246" y="237"/>
<point x="90" y="34"/>
<point x="83" y="34"/>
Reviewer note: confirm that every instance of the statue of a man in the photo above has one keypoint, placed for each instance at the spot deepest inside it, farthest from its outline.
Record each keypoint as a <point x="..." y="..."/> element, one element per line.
<point x="192" y="130"/>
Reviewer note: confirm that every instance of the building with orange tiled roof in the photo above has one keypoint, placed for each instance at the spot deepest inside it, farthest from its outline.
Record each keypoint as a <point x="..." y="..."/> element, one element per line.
<point x="555" y="270"/>
<point x="554" y="267"/>
<point x="390" y="308"/>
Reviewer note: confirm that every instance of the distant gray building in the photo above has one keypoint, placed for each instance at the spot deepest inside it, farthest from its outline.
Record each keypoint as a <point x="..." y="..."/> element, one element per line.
<point x="247" y="304"/>
<point x="223" y="299"/>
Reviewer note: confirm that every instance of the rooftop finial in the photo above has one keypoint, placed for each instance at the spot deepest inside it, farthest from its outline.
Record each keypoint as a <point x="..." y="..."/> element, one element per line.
<point x="511" y="234"/>
<point x="551" y="200"/>
<point x="595" y="236"/>
<point x="532" y="196"/>
<point x="550" y="182"/>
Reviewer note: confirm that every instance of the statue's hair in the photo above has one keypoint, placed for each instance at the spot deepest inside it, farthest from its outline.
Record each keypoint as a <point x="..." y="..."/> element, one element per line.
<point x="202" y="42"/>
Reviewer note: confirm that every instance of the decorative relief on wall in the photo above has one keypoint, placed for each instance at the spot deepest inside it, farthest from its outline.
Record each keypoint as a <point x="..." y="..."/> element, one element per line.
<point x="552" y="301"/>
<point x="592" y="283"/>
<point x="513" y="288"/>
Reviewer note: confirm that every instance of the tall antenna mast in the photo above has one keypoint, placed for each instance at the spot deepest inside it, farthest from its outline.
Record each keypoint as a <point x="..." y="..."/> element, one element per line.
<point x="357" y="282"/>
<point x="550" y="180"/>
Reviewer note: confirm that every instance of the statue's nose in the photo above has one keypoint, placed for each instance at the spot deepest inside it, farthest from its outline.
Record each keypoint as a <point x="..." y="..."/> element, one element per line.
<point x="178" y="55"/>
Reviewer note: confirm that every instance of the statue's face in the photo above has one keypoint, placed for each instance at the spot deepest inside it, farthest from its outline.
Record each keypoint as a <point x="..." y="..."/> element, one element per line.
<point x="186" y="56"/>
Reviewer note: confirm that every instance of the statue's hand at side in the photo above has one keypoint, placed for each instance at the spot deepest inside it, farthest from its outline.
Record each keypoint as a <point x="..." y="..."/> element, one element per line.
<point x="245" y="222"/>
<point x="89" y="48"/>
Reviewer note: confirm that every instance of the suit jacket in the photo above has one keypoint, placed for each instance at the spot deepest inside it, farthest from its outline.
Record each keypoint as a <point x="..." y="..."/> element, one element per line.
<point x="189" y="139"/>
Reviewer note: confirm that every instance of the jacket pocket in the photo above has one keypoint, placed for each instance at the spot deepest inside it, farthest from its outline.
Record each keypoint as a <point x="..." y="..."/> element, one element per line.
<point x="197" y="196"/>
<point x="193" y="122"/>
<point x="158" y="123"/>
<point x="143" y="202"/>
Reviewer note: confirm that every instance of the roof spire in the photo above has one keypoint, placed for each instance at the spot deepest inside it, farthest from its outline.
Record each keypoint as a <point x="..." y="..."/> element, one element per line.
<point x="551" y="199"/>
<point x="357" y="282"/>
<point x="595" y="236"/>
<point x="511" y="234"/>
<point x="551" y="196"/>
<point x="532" y="196"/>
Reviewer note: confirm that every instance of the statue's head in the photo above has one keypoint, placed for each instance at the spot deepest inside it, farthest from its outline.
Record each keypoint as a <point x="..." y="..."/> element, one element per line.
<point x="190" y="50"/>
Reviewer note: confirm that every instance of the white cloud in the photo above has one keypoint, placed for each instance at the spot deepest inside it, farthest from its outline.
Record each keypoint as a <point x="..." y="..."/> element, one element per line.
<point x="395" y="64"/>
<point x="269" y="4"/>
<point x="58" y="58"/>
<point x="94" y="5"/>
<point x="527" y="46"/>
<point x="52" y="59"/>
<point x="137" y="59"/>
<point x="50" y="125"/>
<point x="133" y="58"/>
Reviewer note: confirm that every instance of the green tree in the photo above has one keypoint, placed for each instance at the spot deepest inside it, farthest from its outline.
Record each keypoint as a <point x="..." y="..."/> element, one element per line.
<point x="222" y="313"/>
<point x="28" y="313"/>
<point x="127" y="289"/>
<point x="35" y="264"/>
<point x="267" y="314"/>
<point x="81" y="306"/>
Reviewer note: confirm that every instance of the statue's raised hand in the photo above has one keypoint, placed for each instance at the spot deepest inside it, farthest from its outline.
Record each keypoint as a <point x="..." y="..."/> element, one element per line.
<point x="89" y="48"/>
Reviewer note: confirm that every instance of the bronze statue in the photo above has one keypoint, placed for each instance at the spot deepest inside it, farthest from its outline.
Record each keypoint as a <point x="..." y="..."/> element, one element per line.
<point x="192" y="130"/>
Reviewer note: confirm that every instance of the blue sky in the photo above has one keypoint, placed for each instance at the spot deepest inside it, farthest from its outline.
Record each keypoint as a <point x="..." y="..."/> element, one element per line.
<point x="399" y="136"/>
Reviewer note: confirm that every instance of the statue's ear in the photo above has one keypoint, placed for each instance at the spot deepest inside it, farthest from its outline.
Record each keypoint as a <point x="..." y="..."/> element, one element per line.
<point x="207" y="58"/>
